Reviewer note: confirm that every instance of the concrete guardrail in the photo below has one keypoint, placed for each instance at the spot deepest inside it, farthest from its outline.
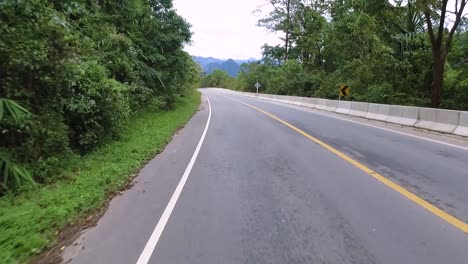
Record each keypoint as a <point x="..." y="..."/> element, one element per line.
<point x="321" y="104"/>
<point x="331" y="105"/>
<point x="343" y="107"/>
<point x="309" y="102"/>
<point x="378" y="112"/>
<point x="359" y="109"/>
<point x="438" y="119"/>
<point x="403" y="115"/>
<point x="297" y="100"/>
<point x="462" y="128"/>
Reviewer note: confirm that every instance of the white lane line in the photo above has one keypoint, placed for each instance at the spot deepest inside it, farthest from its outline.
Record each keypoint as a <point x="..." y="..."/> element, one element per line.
<point x="153" y="240"/>
<point x="357" y="122"/>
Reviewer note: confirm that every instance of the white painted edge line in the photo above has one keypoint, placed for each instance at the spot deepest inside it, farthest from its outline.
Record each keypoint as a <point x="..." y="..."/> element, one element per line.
<point x="153" y="240"/>
<point x="356" y="122"/>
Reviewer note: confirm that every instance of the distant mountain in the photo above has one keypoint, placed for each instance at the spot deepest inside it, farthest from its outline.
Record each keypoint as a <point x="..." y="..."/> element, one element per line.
<point x="205" y="61"/>
<point x="229" y="66"/>
<point x="210" y="64"/>
<point x="244" y="61"/>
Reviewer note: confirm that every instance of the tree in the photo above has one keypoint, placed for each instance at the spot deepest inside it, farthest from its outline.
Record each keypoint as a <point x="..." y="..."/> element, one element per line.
<point x="288" y="17"/>
<point x="440" y="40"/>
<point x="273" y="55"/>
<point x="82" y="68"/>
<point x="308" y="32"/>
<point x="218" y="78"/>
<point x="280" y="20"/>
<point x="379" y="47"/>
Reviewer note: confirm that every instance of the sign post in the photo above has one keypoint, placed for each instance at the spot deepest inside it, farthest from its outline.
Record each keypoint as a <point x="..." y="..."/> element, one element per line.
<point x="344" y="91"/>
<point x="257" y="85"/>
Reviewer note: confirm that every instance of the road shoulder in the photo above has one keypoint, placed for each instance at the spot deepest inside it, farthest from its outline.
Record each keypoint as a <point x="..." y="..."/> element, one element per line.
<point x="122" y="232"/>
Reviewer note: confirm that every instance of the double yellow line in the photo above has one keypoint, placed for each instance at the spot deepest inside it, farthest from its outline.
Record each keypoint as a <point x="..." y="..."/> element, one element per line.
<point x="413" y="197"/>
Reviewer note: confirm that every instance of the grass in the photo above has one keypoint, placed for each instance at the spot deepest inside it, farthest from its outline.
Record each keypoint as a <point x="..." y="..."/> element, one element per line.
<point x="30" y="222"/>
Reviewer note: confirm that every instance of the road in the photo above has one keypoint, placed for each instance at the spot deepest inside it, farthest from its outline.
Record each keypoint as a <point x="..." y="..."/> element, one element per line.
<point x="272" y="183"/>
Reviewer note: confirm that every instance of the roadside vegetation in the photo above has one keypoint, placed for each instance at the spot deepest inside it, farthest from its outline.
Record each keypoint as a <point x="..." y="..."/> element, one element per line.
<point x="89" y="91"/>
<point x="73" y="72"/>
<point x="29" y="222"/>
<point x="393" y="52"/>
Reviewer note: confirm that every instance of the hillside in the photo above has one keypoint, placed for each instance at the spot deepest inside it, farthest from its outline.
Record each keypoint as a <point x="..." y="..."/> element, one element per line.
<point x="205" y="61"/>
<point x="229" y="66"/>
<point x="210" y="64"/>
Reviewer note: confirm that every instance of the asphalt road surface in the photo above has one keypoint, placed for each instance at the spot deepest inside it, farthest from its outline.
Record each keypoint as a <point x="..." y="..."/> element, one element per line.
<point x="272" y="183"/>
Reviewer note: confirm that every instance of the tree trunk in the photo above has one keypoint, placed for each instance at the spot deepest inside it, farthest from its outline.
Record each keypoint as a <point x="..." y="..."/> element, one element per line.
<point x="437" y="79"/>
<point x="288" y="24"/>
<point x="440" y="50"/>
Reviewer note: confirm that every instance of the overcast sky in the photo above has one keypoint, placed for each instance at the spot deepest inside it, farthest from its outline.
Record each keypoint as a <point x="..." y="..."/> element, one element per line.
<point x="225" y="28"/>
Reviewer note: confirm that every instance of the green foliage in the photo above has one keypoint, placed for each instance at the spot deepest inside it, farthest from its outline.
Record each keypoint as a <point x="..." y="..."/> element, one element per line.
<point x="218" y="78"/>
<point x="82" y="68"/>
<point x="288" y="79"/>
<point x="30" y="221"/>
<point x="13" y="176"/>
<point x="95" y="106"/>
<point x="229" y="66"/>
<point x="381" y="50"/>
<point x="17" y="113"/>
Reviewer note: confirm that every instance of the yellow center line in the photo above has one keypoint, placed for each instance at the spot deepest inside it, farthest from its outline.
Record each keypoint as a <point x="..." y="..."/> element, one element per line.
<point x="413" y="197"/>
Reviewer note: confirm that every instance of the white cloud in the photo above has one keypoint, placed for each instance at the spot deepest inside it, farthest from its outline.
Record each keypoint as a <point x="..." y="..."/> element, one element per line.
<point x="225" y="28"/>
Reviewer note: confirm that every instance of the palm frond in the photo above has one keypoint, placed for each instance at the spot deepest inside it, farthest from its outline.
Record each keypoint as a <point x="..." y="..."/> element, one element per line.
<point x="13" y="176"/>
<point x="18" y="113"/>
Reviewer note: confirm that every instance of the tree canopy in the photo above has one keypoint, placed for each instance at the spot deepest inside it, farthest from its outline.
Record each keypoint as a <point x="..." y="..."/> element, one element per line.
<point x="73" y="71"/>
<point x="394" y="52"/>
